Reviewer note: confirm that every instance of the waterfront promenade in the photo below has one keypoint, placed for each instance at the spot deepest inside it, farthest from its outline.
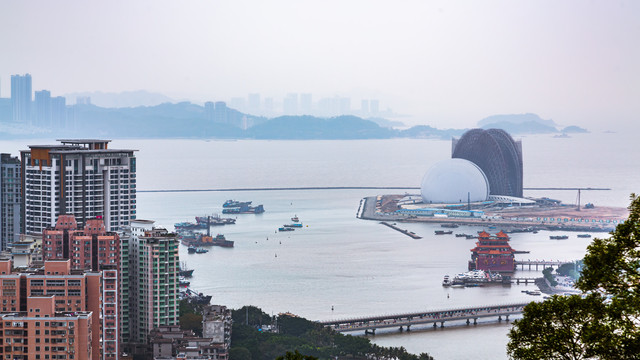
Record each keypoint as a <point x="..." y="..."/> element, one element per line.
<point x="434" y="318"/>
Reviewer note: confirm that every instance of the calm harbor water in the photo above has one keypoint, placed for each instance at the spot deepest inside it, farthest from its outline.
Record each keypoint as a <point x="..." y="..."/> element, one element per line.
<point x="359" y="267"/>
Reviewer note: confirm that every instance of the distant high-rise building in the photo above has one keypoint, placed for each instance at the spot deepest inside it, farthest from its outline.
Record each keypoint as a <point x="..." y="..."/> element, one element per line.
<point x="21" y="98"/>
<point x="497" y="154"/>
<point x="209" y="110"/>
<point x="83" y="100"/>
<point x="79" y="177"/>
<point x="374" y="107"/>
<point x="269" y="107"/>
<point x="254" y="104"/>
<point x="59" y="112"/>
<point x="306" y="104"/>
<point x="290" y="105"/>
<point x="220" y="114"/>
<point x="9" y="200"/>
<point x="153" y="278"/>
<point x="364" y="107"/>
<point x="42" y="104"/>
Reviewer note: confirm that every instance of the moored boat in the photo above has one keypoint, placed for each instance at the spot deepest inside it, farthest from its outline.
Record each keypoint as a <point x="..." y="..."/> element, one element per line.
<point x="584" y="235"/>
<point x="442" y="232"/>
<point x="191" y="250"/>
<point x="446" y="281"/>
<point x="285" y="229"/>
<point x="558" y="237"/>
<point x="201" y="251"/>
<point x="220" y="240"/>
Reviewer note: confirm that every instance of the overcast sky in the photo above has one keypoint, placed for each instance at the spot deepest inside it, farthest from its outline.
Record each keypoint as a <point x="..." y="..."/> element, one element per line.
<point x="444" y="63"/>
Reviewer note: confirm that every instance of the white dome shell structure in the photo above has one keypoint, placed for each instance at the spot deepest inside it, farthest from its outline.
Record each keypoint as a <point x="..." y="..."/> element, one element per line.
<point x="453" y="181"/>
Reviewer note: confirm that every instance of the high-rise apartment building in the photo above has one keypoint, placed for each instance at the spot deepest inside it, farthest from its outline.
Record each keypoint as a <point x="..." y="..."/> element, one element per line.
<point x="80" y="177"/>
<point x="44" y="333"/>
<point x="70" y="293"/>
<point x="91" y="249"/>
<point x="21" y="98"/>
<point x="152" y="278"/>
<point x="9" y="200"/>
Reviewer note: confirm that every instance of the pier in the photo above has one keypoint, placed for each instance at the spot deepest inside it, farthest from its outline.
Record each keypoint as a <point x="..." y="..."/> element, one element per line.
<point x="406" y="232"/>
<point x="434" y="318"/>
<point x="536" y="263"/>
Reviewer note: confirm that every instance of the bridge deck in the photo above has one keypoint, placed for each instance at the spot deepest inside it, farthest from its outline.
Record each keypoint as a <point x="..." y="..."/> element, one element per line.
<point x="425" y="317"/>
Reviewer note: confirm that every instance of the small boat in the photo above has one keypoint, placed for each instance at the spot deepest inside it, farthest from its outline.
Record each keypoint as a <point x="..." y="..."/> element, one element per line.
<point x="584" y="235"/>
<point x="446" y="281"/>
<point x="201" y="251"/>
<point x="191" y="250"/>
<point x="285" y="228"/>
<point x="184" y="282"/>
<point x="461" y="235"/>
<point x="471" y="237"/>
<point x="534" y="292"/>
<point x="294" y="225"/>
<point x="558" y="237"/>
<point x="450" y="226"/>
<point x="442" y="232"/>
<point x="295" y="219"/>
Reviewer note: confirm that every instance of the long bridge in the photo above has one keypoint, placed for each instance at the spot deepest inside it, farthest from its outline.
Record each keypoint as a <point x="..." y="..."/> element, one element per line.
<point x="369" y="324"/>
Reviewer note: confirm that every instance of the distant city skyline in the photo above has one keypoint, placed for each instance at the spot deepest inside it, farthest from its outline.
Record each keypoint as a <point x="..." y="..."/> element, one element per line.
<point x="441" y="63"/>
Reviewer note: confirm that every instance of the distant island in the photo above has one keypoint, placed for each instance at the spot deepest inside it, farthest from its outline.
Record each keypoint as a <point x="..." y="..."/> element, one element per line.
<point x="188" y="120"/>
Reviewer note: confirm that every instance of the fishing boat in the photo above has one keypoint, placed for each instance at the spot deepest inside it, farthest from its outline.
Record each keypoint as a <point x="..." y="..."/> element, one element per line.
<point x="295" y="219"/>
<point x="201" y="251"/>
<point x="443" y="232"/>
<point x="558" y="237"/>
<point x="285" y="228"/>
<point x="294" y="225"/>
<point x="184" y="272"/>
<point x="584" y="235"/>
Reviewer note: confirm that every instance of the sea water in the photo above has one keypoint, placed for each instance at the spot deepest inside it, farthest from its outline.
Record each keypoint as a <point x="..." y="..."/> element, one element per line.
<point x="338" y="266"/>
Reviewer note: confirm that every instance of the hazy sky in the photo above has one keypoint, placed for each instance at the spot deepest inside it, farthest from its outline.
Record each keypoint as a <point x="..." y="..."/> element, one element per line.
<point x="445" y="63"/>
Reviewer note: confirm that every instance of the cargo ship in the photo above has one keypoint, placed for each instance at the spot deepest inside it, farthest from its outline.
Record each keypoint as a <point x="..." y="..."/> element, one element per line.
<point x="214" y="220"/>
<point x="492" y="253"/>
<point x="234" y="203"/>
<point x="220" y="240"/>
<point x="244" y="209"/>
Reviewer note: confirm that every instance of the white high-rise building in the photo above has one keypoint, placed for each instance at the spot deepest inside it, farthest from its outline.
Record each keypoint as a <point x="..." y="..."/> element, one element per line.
<point x="77" y="177"/>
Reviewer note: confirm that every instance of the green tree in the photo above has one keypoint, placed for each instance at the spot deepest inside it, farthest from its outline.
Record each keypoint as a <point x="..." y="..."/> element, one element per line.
<point x="239" y="353"/>
<point x="296" y="356"/>
<point x="601" y="324"/>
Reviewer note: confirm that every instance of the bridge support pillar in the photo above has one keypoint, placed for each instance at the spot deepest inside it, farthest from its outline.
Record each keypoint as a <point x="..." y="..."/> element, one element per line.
<point x="475" y="321"/>
<point x="468" y="322"/>
<point x="408" y="327"/>
<point x="435" y="325"/>
<point x="401" y="329"/>
<point x="499" y="318"/>
<point x="442" y="324"/>
<point x="507" y="318"/>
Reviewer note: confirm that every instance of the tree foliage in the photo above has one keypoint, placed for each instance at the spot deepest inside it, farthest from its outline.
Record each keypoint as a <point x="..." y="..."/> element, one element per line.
<point x="603" y="323"/>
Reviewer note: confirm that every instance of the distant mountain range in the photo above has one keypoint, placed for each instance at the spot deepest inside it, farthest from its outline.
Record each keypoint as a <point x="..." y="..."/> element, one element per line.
<point x="188" y="120"/>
